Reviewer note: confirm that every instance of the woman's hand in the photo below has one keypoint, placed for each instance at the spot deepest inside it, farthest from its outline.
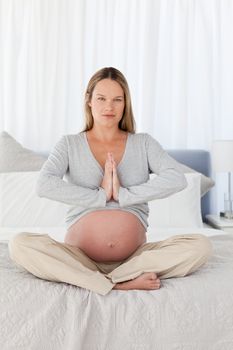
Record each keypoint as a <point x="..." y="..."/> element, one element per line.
<point x="115" y="181"/>
<point x="110" y="181"/>
<point x="107" y="179"/>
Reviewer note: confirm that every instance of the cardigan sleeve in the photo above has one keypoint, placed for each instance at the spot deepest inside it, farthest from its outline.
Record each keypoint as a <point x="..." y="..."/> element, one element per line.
<point x="168" y="179"/>
<point x="51" y="185"/>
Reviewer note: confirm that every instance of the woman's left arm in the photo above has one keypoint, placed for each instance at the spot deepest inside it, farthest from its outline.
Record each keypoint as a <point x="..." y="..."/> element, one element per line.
<point x="168" y="181"/>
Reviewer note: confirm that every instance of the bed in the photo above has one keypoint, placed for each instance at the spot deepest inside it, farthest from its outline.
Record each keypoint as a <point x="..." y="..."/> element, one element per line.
<point x="189" y="313"/>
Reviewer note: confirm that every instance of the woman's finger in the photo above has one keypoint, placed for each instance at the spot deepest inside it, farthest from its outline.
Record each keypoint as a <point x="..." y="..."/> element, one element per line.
<point x="110" y="156"/>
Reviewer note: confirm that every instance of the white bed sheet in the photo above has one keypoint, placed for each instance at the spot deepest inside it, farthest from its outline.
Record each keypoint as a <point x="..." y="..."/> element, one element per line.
<point x="190" y="313"/>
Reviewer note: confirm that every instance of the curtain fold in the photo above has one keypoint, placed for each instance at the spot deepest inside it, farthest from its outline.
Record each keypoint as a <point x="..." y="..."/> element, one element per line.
<point x="176" y="55"/>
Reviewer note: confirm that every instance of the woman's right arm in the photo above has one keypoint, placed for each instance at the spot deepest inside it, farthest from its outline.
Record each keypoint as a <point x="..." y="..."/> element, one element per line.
<point x="51" y="185"/>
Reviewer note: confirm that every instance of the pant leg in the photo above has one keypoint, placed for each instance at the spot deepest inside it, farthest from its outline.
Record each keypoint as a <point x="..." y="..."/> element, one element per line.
<point x="176" y="256"/>
<point x="59" y="262"/>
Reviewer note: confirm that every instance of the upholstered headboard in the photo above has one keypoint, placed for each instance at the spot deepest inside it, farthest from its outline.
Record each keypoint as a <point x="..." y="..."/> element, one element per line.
<point x="199" y="160"/>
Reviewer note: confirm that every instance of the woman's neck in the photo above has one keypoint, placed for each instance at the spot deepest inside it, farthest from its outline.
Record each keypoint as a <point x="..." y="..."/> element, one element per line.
<point x="104" y="135"/>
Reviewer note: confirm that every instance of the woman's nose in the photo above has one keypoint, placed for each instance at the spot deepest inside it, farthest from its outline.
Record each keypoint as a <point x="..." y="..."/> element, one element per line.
<point x="109" y="104"/>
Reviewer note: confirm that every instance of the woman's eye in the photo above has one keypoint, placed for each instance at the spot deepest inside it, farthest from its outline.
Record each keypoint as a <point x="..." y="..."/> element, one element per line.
<point x="103" y="99"/>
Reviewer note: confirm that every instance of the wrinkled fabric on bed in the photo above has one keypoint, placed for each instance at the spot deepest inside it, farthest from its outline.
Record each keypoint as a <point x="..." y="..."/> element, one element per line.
<point x="190" y="313"/>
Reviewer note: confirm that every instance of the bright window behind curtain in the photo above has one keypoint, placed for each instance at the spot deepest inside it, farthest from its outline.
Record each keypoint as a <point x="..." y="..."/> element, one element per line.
<point x="176" y="55"/>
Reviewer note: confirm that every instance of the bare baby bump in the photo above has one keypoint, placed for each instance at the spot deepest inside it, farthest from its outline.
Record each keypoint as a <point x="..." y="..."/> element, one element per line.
<point x="107" y="235"/>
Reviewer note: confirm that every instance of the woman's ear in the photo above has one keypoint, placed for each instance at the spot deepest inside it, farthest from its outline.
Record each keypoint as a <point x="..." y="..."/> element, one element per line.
<point x="88" y="99"/>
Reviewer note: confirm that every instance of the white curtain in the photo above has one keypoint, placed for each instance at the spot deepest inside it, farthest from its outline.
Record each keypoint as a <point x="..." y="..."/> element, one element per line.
<point x="176" y="55"/>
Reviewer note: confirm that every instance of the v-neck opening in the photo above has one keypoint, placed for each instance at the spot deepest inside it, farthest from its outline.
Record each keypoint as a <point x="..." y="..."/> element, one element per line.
<point x="96" y="161"/>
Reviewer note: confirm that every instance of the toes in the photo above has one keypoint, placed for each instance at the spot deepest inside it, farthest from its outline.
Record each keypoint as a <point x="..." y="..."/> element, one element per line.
<point x="152" y="275"/>
<point x="155" y="284"/>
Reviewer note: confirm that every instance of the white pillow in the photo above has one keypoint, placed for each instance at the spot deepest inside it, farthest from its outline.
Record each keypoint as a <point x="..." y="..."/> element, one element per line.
<point x="14" y="157"/>
<point x="21" y="207"/>
<point x="182" y="209"/>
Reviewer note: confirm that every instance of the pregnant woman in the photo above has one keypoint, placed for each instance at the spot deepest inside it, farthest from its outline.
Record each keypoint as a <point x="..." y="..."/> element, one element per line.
<point x="103" y="174"/>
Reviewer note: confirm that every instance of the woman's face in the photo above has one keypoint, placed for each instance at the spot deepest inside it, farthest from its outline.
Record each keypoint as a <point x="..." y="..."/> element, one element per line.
<point x="107" y="102"/>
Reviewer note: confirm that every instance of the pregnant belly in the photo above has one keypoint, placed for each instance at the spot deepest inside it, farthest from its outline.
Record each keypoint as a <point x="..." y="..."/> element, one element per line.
<point x="107" y="235"/>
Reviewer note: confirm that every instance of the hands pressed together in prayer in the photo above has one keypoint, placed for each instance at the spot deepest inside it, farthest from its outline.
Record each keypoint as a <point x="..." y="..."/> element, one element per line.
<point x="110" y="181"/>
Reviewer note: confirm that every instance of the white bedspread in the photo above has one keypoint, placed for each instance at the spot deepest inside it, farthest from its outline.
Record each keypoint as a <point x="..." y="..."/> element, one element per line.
<point x="190" y="313"/>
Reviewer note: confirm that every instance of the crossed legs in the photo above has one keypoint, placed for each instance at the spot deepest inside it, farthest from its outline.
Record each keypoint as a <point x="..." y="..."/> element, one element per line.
<point x="48" y="259"/>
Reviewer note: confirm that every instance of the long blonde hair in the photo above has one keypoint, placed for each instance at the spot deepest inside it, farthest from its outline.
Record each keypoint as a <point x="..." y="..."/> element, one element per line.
<point x="127" y="122"/>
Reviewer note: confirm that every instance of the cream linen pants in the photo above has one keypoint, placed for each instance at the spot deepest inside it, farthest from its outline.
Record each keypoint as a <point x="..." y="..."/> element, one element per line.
<point x="48" y="259"/>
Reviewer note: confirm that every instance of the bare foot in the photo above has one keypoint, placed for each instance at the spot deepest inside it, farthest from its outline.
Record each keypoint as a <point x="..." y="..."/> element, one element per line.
<point x="107" y="179"/>
<point x="147" y="281"/>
